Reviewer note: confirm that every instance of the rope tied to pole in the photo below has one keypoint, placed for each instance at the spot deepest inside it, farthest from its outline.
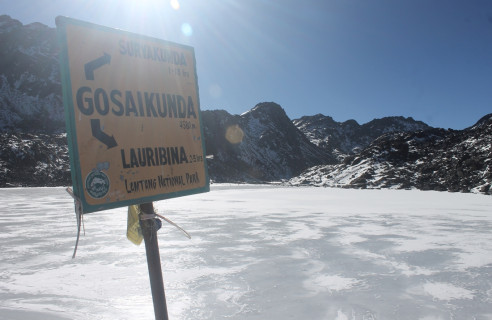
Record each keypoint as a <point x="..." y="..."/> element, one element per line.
<point x="155" y="215"/>
<point x="79" y="216"/>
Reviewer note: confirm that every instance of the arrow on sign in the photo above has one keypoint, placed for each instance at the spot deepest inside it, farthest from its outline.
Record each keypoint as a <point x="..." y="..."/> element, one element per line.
<point x="89" y="67"/>
<point x="109" y="141"/>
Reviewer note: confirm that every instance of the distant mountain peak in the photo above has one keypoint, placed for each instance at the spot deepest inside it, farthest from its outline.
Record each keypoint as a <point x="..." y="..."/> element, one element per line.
<point x="267" y="106"/>
<point x="7" y="24"/>
<point x="484" y="121"/>
<point x="351" y="123"/>
<point x="268" y="109"/>
<point x="346" y="138"/>
<point x="272" y="147"/>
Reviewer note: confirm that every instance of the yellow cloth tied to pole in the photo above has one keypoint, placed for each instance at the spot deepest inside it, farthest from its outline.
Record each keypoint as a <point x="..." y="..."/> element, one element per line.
<point x="133" y="230"/>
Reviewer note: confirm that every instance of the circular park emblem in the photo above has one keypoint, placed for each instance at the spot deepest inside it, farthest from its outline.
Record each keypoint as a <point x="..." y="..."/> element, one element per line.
<point x="97" y="184"/>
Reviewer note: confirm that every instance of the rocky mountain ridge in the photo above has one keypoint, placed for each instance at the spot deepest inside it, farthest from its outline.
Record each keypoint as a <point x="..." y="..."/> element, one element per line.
<point x="349" y="137"/>
<point x="432" y="159"/>
<point x="261" y="145"/>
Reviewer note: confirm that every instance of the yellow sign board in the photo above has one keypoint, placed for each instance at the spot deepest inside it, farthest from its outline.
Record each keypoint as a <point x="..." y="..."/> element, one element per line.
<point x="133" y="116"/>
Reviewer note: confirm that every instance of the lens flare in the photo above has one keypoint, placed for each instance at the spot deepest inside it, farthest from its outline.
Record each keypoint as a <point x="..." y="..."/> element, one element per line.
<point x="186" y="29"/>
<point x="234" y="134"/>
<point x="215" y="91"/>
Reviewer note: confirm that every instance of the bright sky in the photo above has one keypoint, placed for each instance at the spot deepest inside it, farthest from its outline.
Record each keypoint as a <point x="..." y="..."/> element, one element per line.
<point x="348" y="59"/>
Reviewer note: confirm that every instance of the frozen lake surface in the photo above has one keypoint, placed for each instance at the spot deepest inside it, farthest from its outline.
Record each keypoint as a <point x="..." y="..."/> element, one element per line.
<point x="257" y="252"/>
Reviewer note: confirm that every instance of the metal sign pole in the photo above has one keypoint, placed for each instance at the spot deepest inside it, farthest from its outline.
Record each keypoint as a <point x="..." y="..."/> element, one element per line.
<point x="149" y="232"/>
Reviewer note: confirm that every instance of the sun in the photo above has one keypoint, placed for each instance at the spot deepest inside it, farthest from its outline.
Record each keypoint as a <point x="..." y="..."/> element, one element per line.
<point x="159" y="18"/>
<point x="174" y="4"/>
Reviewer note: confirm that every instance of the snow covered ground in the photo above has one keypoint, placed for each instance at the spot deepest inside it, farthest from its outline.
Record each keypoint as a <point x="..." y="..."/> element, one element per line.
<point x="257" y="252"/>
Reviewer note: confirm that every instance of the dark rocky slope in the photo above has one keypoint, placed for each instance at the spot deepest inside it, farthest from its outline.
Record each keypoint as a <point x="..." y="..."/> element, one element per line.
<point x="34" y="160"/>
<point x="259" y="145"/>
<point x="434" y="159"/>
<point x="30" y="89"/>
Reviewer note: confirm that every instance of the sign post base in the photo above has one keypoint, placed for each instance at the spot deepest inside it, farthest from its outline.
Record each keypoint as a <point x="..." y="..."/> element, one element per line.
<point x="149" y="231"/>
